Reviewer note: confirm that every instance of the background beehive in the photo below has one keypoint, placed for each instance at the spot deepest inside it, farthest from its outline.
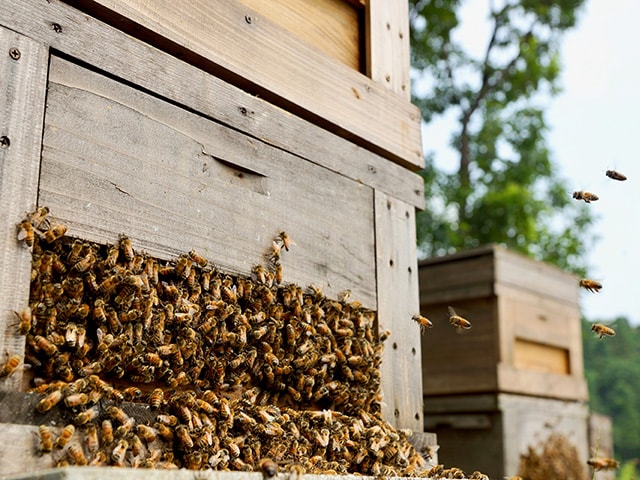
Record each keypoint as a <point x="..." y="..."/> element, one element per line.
<point x="116" y="134"/>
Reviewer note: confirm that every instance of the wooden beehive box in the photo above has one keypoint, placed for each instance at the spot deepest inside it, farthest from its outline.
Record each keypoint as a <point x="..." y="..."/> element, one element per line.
<point x="525" y="337"/>
<point x="214" y="126"/>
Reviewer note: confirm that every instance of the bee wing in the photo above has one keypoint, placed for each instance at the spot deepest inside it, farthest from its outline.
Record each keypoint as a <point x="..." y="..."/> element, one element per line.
<point x="452" y="312"/>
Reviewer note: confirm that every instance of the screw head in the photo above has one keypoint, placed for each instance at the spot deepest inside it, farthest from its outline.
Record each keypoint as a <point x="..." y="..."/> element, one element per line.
<point x="14" y="53"/>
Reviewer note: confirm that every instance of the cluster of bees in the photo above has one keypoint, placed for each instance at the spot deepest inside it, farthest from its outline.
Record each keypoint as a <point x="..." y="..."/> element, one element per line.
<point x="238" y="373"/>
<point x="594" y="286"/>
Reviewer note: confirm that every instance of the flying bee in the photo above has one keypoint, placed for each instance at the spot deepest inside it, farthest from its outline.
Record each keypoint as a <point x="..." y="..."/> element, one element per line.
<point x="76" y="454"/>
<point x="612" y="174"/>
<point x="588" y="197"/>
<point x="65" y="435"/>
<point x="602" y="463"/>
<point x="55" y="233"/>
<point x="590" y="285"/>
<point x="458" y="321"/>
<point x="10" y="366"/>
<point x="422" y="321"/>
<point x="26" y="233"/>
<point x="46" y="438"/>
<point x="602" y="330"/>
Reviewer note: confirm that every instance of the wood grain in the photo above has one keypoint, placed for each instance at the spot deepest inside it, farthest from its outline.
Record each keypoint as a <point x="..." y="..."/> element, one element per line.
<point x="116" y="160"/>
<point x="387" y="37"/>
<point x="331" y="26"/>
<point x="109" y="50"/>
<point x="22" y="87"/>
<point x="397" y="283"/>
<point x="238" y="44"/>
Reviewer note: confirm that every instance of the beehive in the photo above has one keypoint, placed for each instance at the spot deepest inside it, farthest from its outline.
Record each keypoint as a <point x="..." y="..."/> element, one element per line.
<point x="215" y="137"/>
<point x="517" y="375"/>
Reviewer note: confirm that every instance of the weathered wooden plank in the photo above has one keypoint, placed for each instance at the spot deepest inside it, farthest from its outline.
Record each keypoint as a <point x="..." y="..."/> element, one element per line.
<point x="457" y="361"/>
<point x="18" y="453"/>
<point x="235" y="42"/>
<point x="397" y="283"/>
<point x="530" y="355"/>
<point x="118" y="160"/>
<point x="543" y="384"/>
<point x="332" y="26"/>
<point x="110" y="50"/>
<point x="388" y="45"/>
<point x="23" y="64"/>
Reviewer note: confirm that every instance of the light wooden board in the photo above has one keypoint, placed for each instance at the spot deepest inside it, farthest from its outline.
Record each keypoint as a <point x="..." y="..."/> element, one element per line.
<point x="540" y="357"/>
<point x="230" y="40"/>
<point x="542" y="384"/>
<point x="116" y="160"/>
<point x="397" y="285"/>
<point x="331" y="26"/>
<point x="22" y="87"/>
<point x="110" y="50"/>
<point x="387" y="37"/>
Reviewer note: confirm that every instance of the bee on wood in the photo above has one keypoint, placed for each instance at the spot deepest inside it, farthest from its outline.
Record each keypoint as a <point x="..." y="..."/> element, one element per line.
<point x="286" y="240"/>
<point x="590" y="285"/>
<point x="76" y="454"/>
<point x="38" y="218"/>
<point x="588" y="197"/>
<point x="26" y="233"/>
<point x="422" y="321"/>
<point x="46" y="438"/>
<point x="64" y="437"/>
<point x="602" y="330"/>
<point x="10" y="366"/>
<point x="48" y="402"/>
<point x="602" y="463"/>
<point x="612" y="174"/>
<point x="458" y="321"/>
<point x="55" y="233"/>
<point x="126" y="248"/>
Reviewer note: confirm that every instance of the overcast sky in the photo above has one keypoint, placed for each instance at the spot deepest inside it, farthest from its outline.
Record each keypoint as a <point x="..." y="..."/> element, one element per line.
<point x="594" y="126"/>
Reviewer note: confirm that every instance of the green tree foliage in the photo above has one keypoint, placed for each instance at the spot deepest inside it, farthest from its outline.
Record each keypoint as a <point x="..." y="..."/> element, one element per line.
<point x="506" y="188"/>
<point x="612" y="368"/>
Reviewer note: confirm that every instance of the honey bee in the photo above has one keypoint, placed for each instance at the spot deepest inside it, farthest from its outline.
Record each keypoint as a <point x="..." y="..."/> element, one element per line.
<point x="38" y="218"/>
<point x="286" y="240"/>
<point x="268" y="467"/>
<point x="135" y="444"/>
<point x="76" y="454"/>
<point x="117" y="414"/>
<point x="602" y="463"/>
<point x="55" y="233"/>
<point x="64" y="437"/>
<point x="458" y="321"/>
<point x="422" y="321"/>
<point x="147" y="433"/>
<point x="86" y="416"/>
<point x="590" y="285"/>
<point x="48" y="402"/>
<point x="183" y="436"/>
<point x="126" y="248"/>
<point x="91" y="438"/>
<point x="119" y="452"/>
<point x="76" y="400"/>
<point x="26" y="233"/>
<point x="602" y="330"/>
<point x="615" y="175"/>
<point x="278" y="274"/>
<point x="10" y="366"/>
<point x="100" y="459"/>
<point x="183" y="267"/>
<point x="46" y="438"/>
<point x="196" y="257"/>
<point x="588" y="197"/>
<point x="107" y="431"/>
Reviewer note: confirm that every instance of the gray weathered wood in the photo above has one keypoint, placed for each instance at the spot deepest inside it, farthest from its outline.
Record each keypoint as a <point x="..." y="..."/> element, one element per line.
<point x="267" y="60"/>
<point x="111" y="50"/>
<point x="397" y="276"/>
<point x="22" y="93"/>
<point x="116" y="160"/>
